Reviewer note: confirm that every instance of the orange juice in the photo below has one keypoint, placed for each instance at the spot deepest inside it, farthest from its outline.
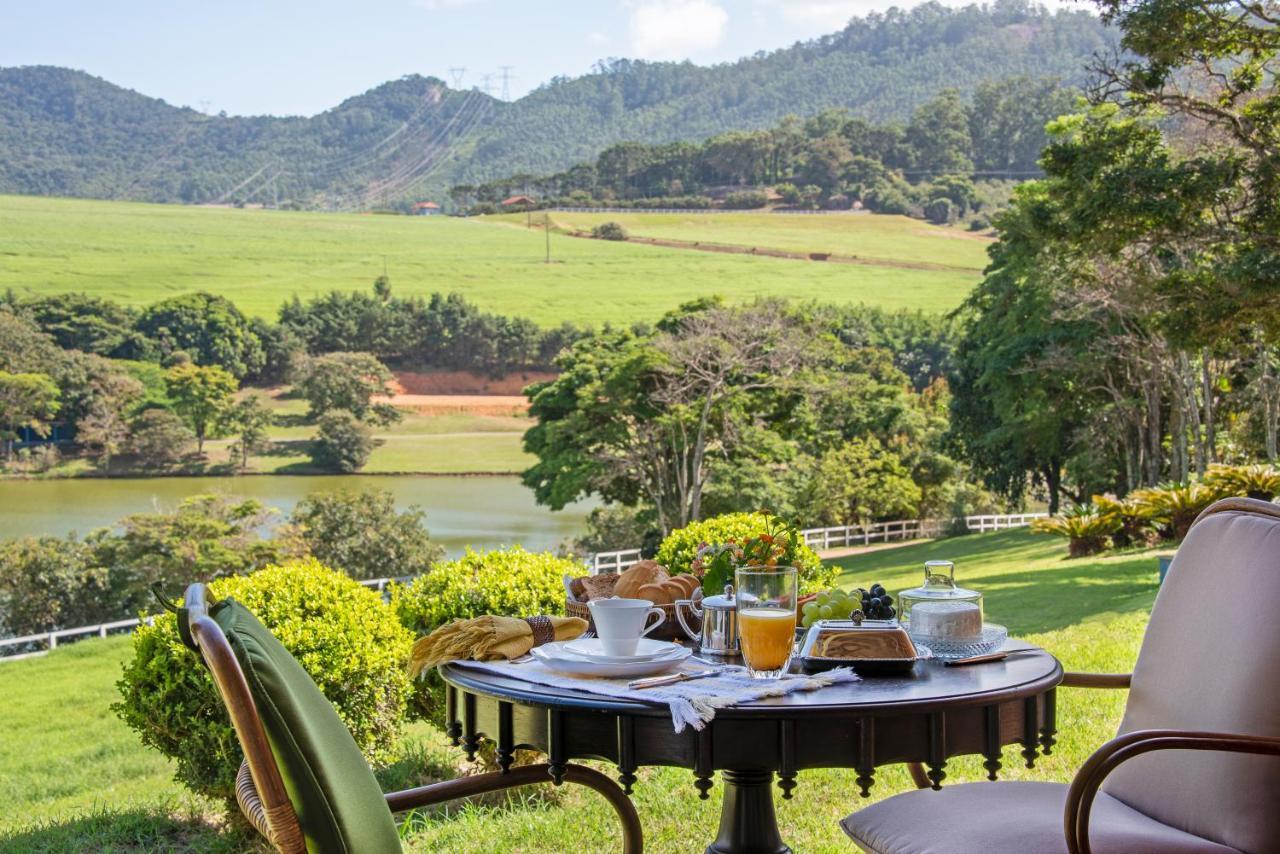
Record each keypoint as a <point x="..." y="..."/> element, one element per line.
<point x="766" y="636"/>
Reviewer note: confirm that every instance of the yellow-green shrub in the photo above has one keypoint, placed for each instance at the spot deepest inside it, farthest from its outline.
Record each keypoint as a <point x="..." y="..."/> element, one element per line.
<point x="1256" y="481"/>
<point x="511" y="582"/>
<point x="681" y="546"/>
<point x="1088" y="531"/>
<point x="340" y="632"/>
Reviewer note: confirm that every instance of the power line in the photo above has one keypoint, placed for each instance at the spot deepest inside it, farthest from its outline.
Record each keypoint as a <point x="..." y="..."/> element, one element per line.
<point x="457" y="73"/>
<point x="487" y="88"/>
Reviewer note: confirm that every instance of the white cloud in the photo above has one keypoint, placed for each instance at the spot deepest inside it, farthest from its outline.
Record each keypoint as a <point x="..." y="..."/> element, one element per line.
<point x="597" y="38"/>
<point x="676" y="29"/>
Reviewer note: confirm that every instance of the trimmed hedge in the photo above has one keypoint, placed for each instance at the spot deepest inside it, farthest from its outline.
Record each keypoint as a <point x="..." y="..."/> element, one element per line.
<point x="679" y="549"/>
<point x="340" y="632"/>
<point x="510" y="582"/>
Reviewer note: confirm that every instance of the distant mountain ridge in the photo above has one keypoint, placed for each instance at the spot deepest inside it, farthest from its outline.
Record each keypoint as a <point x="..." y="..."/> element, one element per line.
<point x="65" y="132"/>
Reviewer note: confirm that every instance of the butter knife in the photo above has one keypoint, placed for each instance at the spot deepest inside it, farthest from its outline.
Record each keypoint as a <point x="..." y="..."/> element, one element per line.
<point x="669" y="679"/>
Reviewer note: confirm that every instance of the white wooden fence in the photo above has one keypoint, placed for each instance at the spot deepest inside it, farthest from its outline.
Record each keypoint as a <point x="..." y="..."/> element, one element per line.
<point x="852" y="535"/>
<point x="50" y="639"/>
<point x="615" y="561"/>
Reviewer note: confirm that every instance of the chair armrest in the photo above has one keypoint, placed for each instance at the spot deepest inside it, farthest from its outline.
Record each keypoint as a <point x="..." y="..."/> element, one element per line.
<point x="1123" y="748"/>
<point x="632" y="838"/>
<point x="1096" y="680"/>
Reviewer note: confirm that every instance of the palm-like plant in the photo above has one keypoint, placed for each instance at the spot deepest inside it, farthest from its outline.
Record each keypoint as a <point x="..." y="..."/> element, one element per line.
<point x="1173" y="506"/>
<point x="1087" y="530"/>
<point x="1255" y="481"/>
<point x="1133" y="526"/>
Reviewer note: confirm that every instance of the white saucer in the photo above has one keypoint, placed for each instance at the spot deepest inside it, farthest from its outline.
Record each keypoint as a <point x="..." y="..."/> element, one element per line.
<point x="646" y="650"/>
<point x="555" y="657"/>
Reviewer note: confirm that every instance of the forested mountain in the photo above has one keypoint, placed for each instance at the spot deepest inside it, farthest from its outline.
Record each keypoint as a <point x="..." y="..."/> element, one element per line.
<point x="67" y="133"/>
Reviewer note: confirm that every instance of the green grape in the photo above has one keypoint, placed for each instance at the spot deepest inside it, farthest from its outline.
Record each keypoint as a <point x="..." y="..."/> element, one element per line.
<point x="808" y="620"/>
<point x="825" y="612"/>
<point x="823" y="598"/>
<point x="809" y="608"/>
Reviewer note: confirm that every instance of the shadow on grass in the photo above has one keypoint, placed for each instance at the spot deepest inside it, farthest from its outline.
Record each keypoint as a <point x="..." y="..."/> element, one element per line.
<point x="285" y="448"/>
<point x="144" y="829"/>
<point x="1030" y="584"/>
<point x="293" y="419"/>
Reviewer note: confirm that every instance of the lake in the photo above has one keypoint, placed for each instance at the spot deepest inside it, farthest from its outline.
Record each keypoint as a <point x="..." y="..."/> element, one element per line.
<point x="481" y="512"/>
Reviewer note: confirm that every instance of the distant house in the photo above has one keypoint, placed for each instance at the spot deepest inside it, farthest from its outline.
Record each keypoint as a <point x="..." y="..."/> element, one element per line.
<point x="518" y="202"/>
<point x="426" y="209"/>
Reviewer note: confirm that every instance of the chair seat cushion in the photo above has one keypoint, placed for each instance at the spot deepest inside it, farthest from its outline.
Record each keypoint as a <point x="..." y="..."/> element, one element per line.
<point x="340" y="807"/>
<point x="1009" y="818"/>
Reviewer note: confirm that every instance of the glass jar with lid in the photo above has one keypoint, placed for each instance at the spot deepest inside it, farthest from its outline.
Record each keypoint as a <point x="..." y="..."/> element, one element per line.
<point x="939" y="610"/>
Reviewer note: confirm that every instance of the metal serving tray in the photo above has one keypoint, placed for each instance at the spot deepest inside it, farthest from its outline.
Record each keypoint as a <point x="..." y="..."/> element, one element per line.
<point x="889" y="649"/>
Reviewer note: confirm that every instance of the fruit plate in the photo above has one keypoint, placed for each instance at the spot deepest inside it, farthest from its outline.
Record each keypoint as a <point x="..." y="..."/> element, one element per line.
<point x="554" y="656"/>
<point x="646" y="650"/>
<point x="993" y="638"/>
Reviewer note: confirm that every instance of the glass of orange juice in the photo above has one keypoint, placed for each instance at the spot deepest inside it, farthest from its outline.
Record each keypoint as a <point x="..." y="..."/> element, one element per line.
<point x="766" y="604"/>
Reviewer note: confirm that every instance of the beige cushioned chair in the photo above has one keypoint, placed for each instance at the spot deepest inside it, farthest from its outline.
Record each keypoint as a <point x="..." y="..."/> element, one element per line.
<point x="1195" y="768"/>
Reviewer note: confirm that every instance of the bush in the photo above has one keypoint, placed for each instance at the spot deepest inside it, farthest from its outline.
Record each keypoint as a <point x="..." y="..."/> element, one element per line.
<point x="609" y="231"/>
<point x="614" y="527"/>
<point x="747" y="200"/>
<point x="940" y="211"/>
<point x="1256" y="481"/>
<point x="49" y="583"/>
<point x="789" y="193"/>
<point x="510" y="582"/>
<point x="158" y="439"/>
<point x="1131" y="524"/>
<point x="1088" y="532"/>
<point x="361" y="534"/>
<point x="681" y="546"/>
<point x="1173" y="506"/>
<point x="342" y="635"/>
<point x="343" y="442"/>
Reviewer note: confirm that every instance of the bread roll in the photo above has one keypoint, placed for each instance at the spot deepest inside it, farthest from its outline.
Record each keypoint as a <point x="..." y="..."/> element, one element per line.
<point x="598" y="586"/>
<point x="638" y="575"/>
<point x="688" y="583"/>
<point x="658" y="594"/>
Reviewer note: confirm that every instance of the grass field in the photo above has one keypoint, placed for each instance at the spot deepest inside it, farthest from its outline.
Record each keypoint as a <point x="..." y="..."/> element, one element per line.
<point x="138" y="253"/>
<point x="74" y="778"/>
<point x="890" y="239"/>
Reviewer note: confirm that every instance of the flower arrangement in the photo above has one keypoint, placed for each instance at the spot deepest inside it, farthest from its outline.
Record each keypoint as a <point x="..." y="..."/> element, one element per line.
<point x="778" y="546"/>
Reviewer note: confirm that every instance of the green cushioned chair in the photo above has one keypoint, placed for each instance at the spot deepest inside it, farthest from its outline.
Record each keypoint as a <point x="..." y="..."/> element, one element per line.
<point x="304" y="784"/>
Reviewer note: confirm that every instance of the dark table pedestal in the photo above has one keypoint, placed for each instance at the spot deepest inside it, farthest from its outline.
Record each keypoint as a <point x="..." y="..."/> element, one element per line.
<point x="747" y="821"/>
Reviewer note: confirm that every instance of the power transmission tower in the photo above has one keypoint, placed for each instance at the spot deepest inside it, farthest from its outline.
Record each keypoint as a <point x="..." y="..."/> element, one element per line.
<point x="487" y="88"/>
<point x="506" y="82"/>
<point x="457" y="73"/>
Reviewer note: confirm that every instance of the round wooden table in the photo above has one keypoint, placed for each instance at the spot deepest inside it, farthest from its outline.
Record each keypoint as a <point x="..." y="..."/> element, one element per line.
<point x="924" y="718"/>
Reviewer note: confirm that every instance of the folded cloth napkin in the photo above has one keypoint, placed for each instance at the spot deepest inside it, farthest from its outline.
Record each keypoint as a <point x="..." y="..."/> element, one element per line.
<point x="490" y="639"/>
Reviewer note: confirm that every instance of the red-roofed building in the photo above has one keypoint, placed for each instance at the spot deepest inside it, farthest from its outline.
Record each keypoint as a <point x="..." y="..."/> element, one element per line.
<point x="426" y="209"/>
<point x="520" y="202"/>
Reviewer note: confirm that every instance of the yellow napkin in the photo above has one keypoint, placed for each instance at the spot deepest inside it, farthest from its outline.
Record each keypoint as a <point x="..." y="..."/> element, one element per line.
<point x="485" y="639"/>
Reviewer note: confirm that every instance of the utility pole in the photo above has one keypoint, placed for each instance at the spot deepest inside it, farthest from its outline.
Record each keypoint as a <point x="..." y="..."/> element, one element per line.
<point x="506" y="82"/>
<point x="457" y="73"/>
<point x="546" y="227"/>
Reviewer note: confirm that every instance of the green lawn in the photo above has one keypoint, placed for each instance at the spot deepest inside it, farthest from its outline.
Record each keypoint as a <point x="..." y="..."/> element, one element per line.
<point x="892" y="239"/>
<point x="75" y="778"/>
<point x="138" y="253"/>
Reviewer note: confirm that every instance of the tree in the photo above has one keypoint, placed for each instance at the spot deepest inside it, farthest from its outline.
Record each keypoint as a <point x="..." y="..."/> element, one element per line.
<point x="88" y="323"/>
<point x="204" y="537"/>
<point x="860" y="482"/>
<point x="104" y="429"/>
<point x="158" y="438"/>
<point x="200" y="395"/>
<point x="635" y="419"/>
<point x="350" y="382"/>
<point x="49" y="583"/>
<point x="826" y="161"/>
<point x="343" y="442"/>
<point x="362" y="534"/>
<point x="939" y="134"/>
<point x="247" y="420"/>
<point x="210" y="328"/>
<point x="27" y="401"/>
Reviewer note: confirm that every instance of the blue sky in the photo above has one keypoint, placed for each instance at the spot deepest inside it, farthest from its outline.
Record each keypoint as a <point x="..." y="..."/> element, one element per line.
<point x="295" y="57"/>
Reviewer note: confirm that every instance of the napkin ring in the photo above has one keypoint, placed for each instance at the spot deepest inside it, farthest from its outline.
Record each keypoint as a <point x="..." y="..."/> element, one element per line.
<point x="543" y="631"/>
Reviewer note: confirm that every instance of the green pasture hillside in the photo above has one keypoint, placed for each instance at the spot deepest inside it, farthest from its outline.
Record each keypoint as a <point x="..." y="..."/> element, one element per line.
<point x="138" y="253"/>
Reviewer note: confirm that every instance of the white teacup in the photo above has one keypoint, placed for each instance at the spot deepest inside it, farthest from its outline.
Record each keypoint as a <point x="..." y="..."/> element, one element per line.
<point x="620" y="623"/>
